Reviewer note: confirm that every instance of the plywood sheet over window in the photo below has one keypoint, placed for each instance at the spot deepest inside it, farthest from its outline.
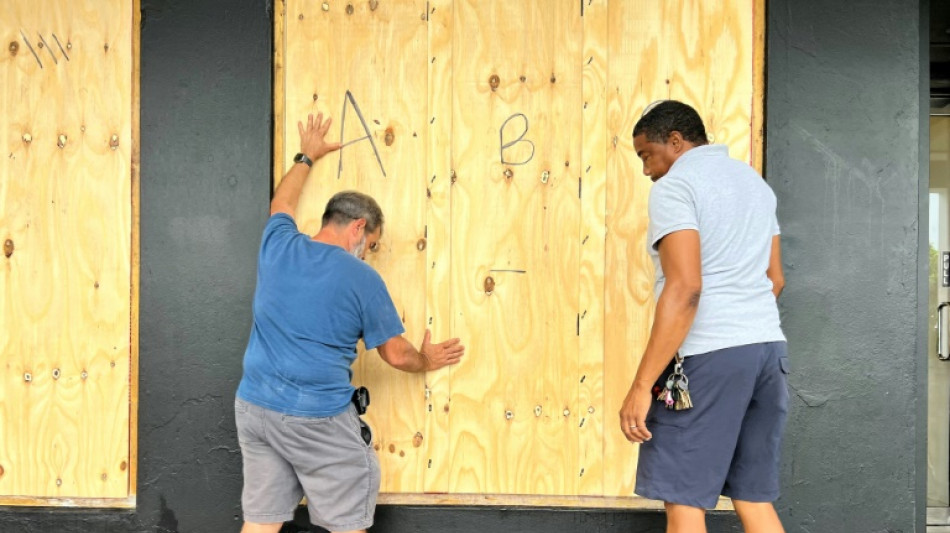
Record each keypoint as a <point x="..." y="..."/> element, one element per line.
<point x="497" y="138"/>
<point x="68" y="131"/>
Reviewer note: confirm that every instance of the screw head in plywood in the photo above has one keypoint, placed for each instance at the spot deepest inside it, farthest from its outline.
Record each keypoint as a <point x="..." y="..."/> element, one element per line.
<point x="84" y="375"/>
<point x="545" y="176"/>
<point x="421" y="244"/>
<point x="14" y="47"/>
<point x="61" y="140"/>
<point x="509" y="173"/>
<point x="27" y="377"/>
<point x="537" y="410"/>
<point x="8" y="247"/>
<point x="417" y="439"/>
<point x="452" y="177"/>
<point x="349" y="9"/>
<point x="373" y="4"/>
<point x="56" y="373"/>
<point x="114" y="141"/>
<point x="59" y="482"/>
<point x="567" y="412"/>
<point x="27" y="138"/>
<point x="326" y="6"/>
<point x="390" y="137"/>
<point x="509" y="415"/>
<point x="590" y="410"/>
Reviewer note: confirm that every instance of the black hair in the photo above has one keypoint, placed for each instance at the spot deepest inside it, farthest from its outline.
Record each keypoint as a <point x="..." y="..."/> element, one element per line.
<point x="665" y="117"/>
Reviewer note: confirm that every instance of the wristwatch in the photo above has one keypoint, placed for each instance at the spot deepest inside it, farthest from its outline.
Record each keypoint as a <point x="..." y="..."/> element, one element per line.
<point x="302" y="158"/>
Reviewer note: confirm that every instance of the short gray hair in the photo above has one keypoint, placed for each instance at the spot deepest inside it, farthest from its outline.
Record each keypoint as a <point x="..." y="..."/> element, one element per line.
<point x="348" y="206"/>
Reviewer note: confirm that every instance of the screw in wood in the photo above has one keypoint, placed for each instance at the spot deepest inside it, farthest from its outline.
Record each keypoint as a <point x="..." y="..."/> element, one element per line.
<point x="14" y="47"/>
<point x="61" y="141"/>
<point x="59" y="482"/>
<point x="84" y="375"/>
<point x="509" y="173"/>
<point x="537" y="410"/>
<point x="56" y="373"/>
<point x="421" y="244"/>
<point x="27" y="138"/>
<point x="590" y="410"/>
<point x="326" y="6"/>
<point x="452" y="177"/>
<point x="114" y="141"/>
<point x="8" y="247"/>
<point x="567" y="412"/>
<point x="373" y="4"/>
<point x="509" y="415"/>
<point x="544" y="176"/>
<point x="390" y="137"/>
<point x="349" y="9"/>
<point x="27" y="377"/>
<point x="489" y="285"/>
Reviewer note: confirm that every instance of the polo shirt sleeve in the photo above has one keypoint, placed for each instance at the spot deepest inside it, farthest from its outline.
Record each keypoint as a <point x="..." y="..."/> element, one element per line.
<point x="671" y="209"/>
<point x="381" y="321"/>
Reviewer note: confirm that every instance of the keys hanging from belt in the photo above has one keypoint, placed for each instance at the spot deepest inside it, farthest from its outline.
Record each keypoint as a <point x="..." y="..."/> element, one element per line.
<point x="675" y="393"/>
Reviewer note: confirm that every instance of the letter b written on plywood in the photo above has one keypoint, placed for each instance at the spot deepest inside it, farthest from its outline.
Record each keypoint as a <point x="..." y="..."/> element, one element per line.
<point x="369" y="136"/>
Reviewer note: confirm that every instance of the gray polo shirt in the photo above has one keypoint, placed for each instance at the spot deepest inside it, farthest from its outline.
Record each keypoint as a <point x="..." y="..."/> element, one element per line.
<point x="734" y="211"/>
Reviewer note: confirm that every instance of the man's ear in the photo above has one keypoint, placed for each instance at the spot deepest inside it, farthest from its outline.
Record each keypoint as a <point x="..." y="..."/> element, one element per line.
<point x="676" y="141"/>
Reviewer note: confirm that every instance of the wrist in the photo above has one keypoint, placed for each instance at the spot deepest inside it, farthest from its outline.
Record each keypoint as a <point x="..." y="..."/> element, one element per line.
<point x="304" y="159"/>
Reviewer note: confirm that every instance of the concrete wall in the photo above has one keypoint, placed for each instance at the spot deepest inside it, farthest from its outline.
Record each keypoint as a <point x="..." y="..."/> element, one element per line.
<point x="843" y="154"/>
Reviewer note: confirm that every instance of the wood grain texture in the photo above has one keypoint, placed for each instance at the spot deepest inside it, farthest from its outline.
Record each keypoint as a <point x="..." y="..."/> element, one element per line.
<point x="557" y="219"/>
<point x="67" y="128"/>
<point x="439" y="239"/>
<point x="380" y="56"/>
<point x="514" y="411"/>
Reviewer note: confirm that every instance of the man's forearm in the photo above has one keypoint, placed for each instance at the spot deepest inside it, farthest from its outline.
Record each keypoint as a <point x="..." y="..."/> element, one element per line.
<point x="288" y="191"/>
<point x="675" y="311"/>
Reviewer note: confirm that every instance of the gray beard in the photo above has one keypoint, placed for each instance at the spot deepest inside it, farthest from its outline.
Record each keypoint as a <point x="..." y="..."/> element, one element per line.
<point x="360" y="248"/>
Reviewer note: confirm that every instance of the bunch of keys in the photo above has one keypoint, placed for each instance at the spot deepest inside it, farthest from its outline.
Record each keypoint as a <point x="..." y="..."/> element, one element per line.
<point x="675" y="393"/>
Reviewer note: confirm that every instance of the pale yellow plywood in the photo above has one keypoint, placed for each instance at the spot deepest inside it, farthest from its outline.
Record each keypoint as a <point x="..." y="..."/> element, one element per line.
<point x="67" y="128"/>
<point x="380" y="56"/>
<point x="593" y="173"/>
<point x="516" y="215"/>
<point x="515" y="251"/>
<point x="439" y="239"/>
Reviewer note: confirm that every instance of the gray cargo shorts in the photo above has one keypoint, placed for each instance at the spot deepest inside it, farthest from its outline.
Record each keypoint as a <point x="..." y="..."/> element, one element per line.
<point x="326" y="459"/>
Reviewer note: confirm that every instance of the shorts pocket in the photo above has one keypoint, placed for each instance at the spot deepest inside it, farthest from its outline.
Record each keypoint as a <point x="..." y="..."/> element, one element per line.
<point x="783" y="364"/>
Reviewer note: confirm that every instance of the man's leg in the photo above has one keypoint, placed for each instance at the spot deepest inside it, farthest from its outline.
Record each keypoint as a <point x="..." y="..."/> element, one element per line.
<point x="251" y="527"/>
<point x="685" y="519"/>
<point x="758" y="517"/>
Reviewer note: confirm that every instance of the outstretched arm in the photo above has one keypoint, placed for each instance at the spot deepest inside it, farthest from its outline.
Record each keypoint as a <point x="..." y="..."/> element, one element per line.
<point x="312" y="144"/>
<point x="401" y="354"/>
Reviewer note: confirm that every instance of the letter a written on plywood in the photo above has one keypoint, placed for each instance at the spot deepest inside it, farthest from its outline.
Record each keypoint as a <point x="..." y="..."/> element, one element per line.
<point x="349" y="99"/>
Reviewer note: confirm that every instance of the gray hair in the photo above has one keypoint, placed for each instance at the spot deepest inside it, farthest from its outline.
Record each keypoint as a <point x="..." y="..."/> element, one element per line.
<point x="348" y="206"/>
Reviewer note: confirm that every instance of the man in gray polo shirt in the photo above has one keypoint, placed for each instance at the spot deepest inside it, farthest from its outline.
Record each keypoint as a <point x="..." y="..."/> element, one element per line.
<point x="714" y="240"/>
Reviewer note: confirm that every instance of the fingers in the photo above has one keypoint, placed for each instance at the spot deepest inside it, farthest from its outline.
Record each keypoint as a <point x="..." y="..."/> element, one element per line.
<point x="426" y="339"/>
<point x="300" y="128"/>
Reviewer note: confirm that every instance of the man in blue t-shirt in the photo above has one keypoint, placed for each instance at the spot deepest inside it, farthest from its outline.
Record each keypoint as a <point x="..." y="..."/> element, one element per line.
<point x="714" y="240"/>
<point x="299" y="430"/>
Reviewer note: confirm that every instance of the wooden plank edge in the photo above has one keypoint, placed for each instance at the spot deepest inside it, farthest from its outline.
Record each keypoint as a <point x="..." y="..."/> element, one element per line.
<point x="278" y="95"/>
<point x="518" y="500"/>
<point x="89" y="503"/>
<point x="758" y="85"/>
<point x="136" y="259"/>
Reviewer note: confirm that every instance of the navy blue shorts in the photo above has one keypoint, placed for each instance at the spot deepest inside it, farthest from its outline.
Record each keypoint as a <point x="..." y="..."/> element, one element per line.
<point x="729" y="442"/>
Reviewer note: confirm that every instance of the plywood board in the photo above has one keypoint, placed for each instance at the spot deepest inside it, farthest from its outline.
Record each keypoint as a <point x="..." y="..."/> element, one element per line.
<point x="516" y="215"/>
<point x="67" y="127"/>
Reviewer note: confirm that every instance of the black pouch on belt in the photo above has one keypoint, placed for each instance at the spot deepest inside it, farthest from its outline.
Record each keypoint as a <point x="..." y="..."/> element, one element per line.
<point x="361" y="399"/>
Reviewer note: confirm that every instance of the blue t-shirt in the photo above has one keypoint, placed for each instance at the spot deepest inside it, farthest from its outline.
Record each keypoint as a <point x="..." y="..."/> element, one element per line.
<point x="312" y="304"/>
<point x="733" y="209"/>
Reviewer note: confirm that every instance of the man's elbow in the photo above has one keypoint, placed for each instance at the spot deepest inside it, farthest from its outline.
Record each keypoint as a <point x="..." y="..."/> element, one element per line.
<point x="686" y="291"/>
<point x="778" y="284"/>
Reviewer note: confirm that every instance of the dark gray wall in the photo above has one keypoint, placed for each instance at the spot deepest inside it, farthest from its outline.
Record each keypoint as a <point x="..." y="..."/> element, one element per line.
<point x="844" y="157"/>
<point x="843" y="133"/>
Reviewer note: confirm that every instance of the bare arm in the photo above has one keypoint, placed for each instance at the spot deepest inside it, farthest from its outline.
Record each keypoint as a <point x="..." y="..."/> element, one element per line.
<point x="401" y="354"/>
<point x="675" y="311"/>
<point x="774" y="271"/>
<point x="314" y="146"/>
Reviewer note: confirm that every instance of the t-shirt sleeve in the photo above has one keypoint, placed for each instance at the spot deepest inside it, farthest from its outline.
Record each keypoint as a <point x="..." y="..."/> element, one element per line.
<point x="671" y="209"/>
<point x="381" y="321"/>
<point x="278" y="232"/>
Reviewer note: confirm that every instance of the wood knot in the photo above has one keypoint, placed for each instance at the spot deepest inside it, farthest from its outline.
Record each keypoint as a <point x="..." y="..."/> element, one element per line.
<point x="489" y="285"/>
<point x="493" y="82"/>
<point x="421" y="244"/>
<point x="523" y="78"/>
<point x="14" y="47"/>
<point x="553" y="79"/>
<point x="315" y="96"/>
<point x="392" y="448"/>
<point x="417" y="440"/>
<point x="390" y="137"/>
<point x="123" y="466"/>
<point x="8" y="247"/>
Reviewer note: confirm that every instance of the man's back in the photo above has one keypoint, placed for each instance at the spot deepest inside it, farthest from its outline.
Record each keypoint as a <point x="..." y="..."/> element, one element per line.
<point x="734" y="211"/>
